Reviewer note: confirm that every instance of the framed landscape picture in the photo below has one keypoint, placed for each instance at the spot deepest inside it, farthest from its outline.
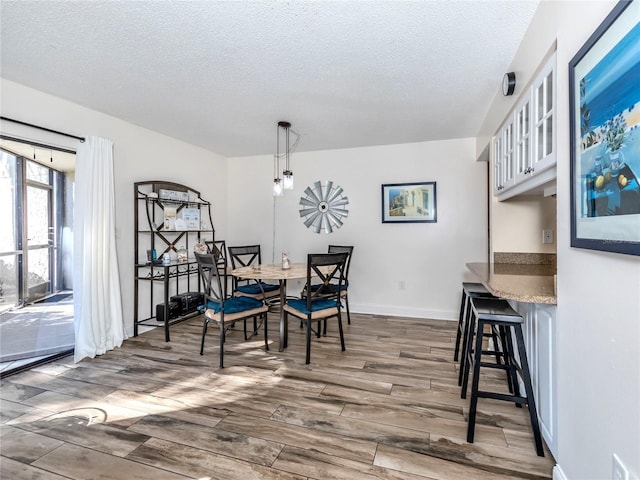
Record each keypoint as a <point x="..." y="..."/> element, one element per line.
<point x="604" y="107"/>
<point x="409" y="203"/>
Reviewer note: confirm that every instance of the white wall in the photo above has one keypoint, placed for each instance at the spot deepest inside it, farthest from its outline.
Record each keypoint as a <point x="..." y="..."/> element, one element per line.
<point x="429" y="257"/>
<point x="139" y="155"/>
<point x="517" y="224"/>
<point x="598" y="324"/>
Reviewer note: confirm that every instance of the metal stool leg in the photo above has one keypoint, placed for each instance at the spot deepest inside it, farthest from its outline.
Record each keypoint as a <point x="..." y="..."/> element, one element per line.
<point x="463" y="304"/>
<point x="463" y="378"/>
<point x="474" y="384"/>
<point x="526" y="378"/>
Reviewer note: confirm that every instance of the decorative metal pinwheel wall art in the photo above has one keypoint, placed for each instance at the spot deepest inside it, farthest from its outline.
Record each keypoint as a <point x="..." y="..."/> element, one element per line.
<point x="323" y="206"/>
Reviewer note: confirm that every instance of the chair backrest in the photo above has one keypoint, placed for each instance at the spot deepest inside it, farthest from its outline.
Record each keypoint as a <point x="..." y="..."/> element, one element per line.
<point x="244" y="256"/>
<point x="208" y="264"/>
<point x="218" y="248"/>
<point x="340" y="249"/>
<point x="330" y="268"/>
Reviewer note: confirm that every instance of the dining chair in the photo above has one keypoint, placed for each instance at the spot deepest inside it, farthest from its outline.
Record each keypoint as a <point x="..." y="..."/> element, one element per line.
<point x="323" y="302"/>
<point x="344" y="290"/>
<point x="244" y="256"/>
<point x="223" y="310"/>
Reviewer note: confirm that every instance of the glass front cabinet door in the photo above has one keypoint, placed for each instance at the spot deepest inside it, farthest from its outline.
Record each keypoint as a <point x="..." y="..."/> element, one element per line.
<point x="544" y="154"/>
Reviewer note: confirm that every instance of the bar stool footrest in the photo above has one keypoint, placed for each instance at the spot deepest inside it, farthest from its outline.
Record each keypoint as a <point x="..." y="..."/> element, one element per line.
<point x="502" y="396"/>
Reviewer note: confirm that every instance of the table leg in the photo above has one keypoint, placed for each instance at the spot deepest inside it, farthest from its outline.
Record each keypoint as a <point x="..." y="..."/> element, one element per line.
<point x="284" y="327"/>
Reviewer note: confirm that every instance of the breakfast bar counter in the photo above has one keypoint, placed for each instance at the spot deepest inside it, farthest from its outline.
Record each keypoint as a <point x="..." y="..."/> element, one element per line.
<point x="522" y="282"/>
<point x="527" y="282"/>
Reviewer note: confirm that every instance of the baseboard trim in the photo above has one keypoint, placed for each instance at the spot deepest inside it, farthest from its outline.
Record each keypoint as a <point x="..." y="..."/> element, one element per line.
<point x="367" y="309"/>
<point x="394" y="311"/>
<point x="558" y="474"/>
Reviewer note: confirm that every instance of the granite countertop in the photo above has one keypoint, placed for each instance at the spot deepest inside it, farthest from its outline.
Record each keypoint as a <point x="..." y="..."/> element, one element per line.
<point x="522" y="282"/>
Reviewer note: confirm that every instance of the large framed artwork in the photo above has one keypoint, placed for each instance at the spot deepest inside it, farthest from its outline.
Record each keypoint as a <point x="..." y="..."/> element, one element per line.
<point x="409" y="203"/>
<point x="604" y="96"/>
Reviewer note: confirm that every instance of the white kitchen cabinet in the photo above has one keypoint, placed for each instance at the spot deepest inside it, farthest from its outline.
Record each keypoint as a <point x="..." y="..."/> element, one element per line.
<point x="526" y="158"/>
<point x="504" y="177"/>
<point x="539" y="333"/>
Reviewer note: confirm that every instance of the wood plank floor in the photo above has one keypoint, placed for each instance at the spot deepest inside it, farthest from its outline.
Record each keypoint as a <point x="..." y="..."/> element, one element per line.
<point x="389" y="407"/>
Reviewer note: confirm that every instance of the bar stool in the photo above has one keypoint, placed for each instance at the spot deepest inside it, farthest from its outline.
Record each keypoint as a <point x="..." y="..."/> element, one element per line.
<point x="469" y="290"/>
<point x="497" y="313"/>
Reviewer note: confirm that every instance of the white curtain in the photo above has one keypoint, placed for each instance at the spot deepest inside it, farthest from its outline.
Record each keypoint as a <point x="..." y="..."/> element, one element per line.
<point x="98" y="320"/>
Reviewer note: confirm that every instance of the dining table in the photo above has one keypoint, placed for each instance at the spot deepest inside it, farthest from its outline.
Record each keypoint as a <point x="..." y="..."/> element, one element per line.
<point x="274" y="271"/>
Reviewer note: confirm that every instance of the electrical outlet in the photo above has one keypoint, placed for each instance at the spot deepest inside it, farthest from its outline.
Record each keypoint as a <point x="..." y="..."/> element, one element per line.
<point x="620" y="472"/>
<point x="401" y="285"/>
<point x="547" y="236"/>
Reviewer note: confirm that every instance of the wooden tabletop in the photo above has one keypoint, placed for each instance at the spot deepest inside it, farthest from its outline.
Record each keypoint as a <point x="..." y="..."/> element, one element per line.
<point x="271" y="271"/>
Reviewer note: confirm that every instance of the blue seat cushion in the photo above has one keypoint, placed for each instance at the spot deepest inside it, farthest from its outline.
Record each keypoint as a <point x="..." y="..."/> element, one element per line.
<point x="320" y="304"/>
<point x="254" y="288"/>
<point x="332" y="286"/>
<point x="233" y="305"/>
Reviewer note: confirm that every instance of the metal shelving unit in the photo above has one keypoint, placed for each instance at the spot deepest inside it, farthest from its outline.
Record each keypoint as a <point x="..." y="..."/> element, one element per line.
<point x="168" y="234"/>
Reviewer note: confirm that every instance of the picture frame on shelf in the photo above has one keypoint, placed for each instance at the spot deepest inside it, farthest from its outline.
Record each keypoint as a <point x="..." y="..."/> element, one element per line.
<point x="604" y="109"/>
<point x="409" y="202"/>
<point x="170" y="213"/>
<point x="191" y="217"/>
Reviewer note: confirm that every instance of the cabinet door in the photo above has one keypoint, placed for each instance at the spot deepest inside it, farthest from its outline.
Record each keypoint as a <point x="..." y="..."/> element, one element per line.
<point x="545" y="388"/>
<point x="544" y="118"/>
<point x="503" y="158"/>
<point x="522" y="164"/>
<point x="508" y="157"/>
<point x="497" y="164"/>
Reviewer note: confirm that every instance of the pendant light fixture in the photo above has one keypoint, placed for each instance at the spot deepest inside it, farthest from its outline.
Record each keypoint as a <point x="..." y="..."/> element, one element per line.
<point x="286" y="182"/>
<point x="277" y="181"/>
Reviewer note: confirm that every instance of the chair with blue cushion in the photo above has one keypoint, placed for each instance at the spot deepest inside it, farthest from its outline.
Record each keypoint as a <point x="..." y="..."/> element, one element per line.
<point x="344" y="292"/>
<point x="223" y="310"/>
<point x="324" y="302"/>
<point x="244" y="256"/>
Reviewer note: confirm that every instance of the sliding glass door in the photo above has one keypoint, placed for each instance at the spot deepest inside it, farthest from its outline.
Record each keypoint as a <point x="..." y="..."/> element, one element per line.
<point x="40" y="255"/>
<point x="36" y="297"/>
<point x="29" y="239"/>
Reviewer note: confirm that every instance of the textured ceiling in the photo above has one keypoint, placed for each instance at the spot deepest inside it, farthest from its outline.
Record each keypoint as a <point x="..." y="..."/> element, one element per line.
<point x="221" y="74"/>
